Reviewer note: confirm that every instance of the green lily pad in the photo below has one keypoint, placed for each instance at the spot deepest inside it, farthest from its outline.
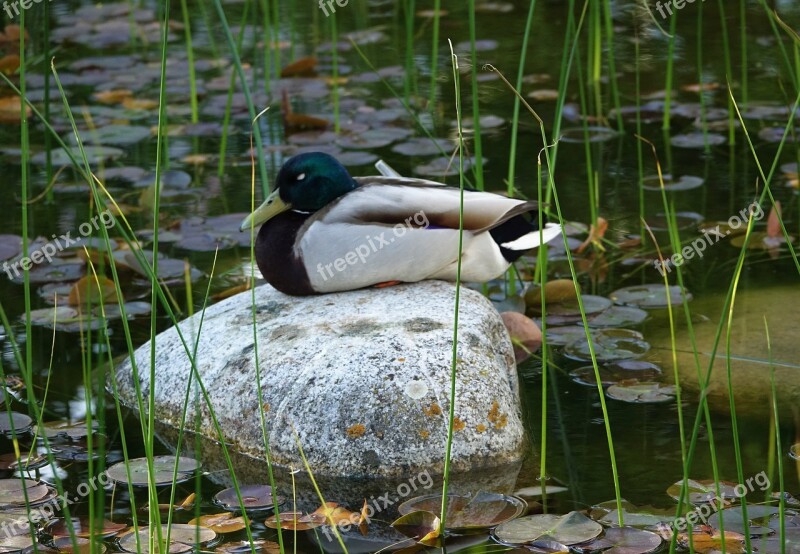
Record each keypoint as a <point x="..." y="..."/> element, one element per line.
<point x="697" y="140"/>
<point x="703" y="490"/>
<point x="590" y="134"/>
<point x="22" y="423"/>
<point x="616" y="372"/>
<point x="757" y="515"/>
<point x="684" y="182"/>
<point x="637" y="392"/>
<point x="634" y="516"/>
<point x="618" y="316"/>
<point x="163" y="468"/>
<point x="254" y="497"/>
<point x="481" y="511"/>
<point x="117" y="135"/>
<point x="626" y="540"/>
<point x="609" y="345"/>
<point x="95" y="155"/>
<point x="569" y="529"/>
<point x="650" y="296"/>
<point x="182" y="538"/>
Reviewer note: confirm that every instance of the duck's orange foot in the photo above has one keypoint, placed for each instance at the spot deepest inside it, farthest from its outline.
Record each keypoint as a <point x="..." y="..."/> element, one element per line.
<point x="387" y="284"/>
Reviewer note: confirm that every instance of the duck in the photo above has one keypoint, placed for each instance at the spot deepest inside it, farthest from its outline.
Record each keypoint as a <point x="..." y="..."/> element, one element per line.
<point x="324" y="231"/>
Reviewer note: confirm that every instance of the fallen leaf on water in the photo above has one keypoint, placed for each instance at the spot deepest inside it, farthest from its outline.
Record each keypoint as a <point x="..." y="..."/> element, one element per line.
<point x="9" y="109"/>
<point x="596" y="234"/>
<point x="293" y="121"/>
<point x="231" y="292"/>
<point x="87" y="291"/>
<point x="9" y="63"/>
<point x="302" y="67"/>
<point x="421" y="526"/>
<point x="220" y="523"/>
<point x="113" y="96"/>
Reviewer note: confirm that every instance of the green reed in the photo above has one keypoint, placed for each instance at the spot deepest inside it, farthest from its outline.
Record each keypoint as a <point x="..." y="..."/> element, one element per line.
<point x="454" y="358"/>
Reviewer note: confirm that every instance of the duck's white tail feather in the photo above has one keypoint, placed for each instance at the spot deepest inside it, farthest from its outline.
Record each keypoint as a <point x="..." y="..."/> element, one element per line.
<point x="534" y="239"/>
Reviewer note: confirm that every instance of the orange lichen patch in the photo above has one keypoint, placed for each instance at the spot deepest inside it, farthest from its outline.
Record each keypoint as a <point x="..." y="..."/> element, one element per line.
<point x="356" y="431"/>
<point x="424" y="434"/>
<point x="481" y="428"/>
<point x="499" y="420"/>
<point x="458" y="425"/>
<point x="401" y="360"/>
<point x="432" y="410"/>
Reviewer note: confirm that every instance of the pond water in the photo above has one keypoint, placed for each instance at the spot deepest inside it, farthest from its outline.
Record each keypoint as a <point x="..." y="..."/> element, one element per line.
<point x="108" y="61"/>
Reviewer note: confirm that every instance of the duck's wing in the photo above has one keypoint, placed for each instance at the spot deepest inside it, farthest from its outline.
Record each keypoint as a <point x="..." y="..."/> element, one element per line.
<point x="390" y="230"/>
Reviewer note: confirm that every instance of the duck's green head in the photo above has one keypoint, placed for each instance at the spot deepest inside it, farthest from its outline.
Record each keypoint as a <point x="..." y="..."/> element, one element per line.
<point x="305" y="183"/>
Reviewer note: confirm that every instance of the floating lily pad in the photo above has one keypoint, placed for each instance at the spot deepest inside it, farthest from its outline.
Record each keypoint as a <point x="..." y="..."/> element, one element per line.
<point x="443" y="167"/>
<point x="423" y="146"/>
<point x="245" y="547"/>
<point x="23" y="463"/>
<point x="117" y="135"/>
<point x="535" y="491"/>
<point x="685" y="182"/>
<point x="183" y="538"/>
<point x="420" y="525"/>
<point x="352" y="158"/>
<point x="56" y="272"/>
<point x="78" y="545"/>
<point x="591" y="304"/>
<point x="20" y="543"/>
<point x="609" y="345"/>
<point x="66" y="319"/>
<point x="683" y="221"/>
<point x="21" y="422"/>
<point x="626" y="540"/>
<point x="18" y="492"/>
<point x="590" y="134"/>
<point x="95" y="155"/>
<point x="468" y="512"/>
<point x="163" y="468"/>
<point x="703" y="490"/>
<point x="613" y="373"/>
<point x="618" y="316"/>
<point x="733" y="520"/>
<point x="10" y="246"/>
<point x="83" y="528"/>
<point x="637" y="392"/>
<point x="374" y="138"/>
<point x="254" y="497"/>
<point x="697" y="140"/>
<point x="561" y="336"/>
<point x="220" y="523"/>
<point x="635" y="516"/>
<point x="295" y="521"/>
<point x="64" y="429"/>
<point x="569" y="529"/>
<point x="650" y="296"/>
<point x="760" y="241"/>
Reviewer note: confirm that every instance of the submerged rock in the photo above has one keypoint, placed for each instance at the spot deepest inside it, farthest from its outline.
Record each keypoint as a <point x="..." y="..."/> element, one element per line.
<point x="750" y="356"/>
<point x="360" y="379"/>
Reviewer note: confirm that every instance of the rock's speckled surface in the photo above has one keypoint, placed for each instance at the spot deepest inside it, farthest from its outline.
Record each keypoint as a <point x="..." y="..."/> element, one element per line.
<point x="360" y="378"/>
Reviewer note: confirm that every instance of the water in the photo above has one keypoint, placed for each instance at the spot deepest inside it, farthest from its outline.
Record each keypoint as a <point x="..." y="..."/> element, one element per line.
<point x="646" y="437"/>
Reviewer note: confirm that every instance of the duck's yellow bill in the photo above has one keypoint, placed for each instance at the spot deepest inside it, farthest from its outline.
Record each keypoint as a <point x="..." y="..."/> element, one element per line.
<point x="271" y="207"/>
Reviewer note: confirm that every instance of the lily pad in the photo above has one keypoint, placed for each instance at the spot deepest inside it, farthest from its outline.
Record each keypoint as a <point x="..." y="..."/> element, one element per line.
<point x="220" y="523"/>
<point x="703" y="490"/>
<point x="626" y="540"/>
<point x="589" y="134"/>
<point x="561" y="336"/>
<point x="757" y="515"/>
<point x="73" y="430"/>
<point x="618" y="316"/>
<point x="254" y="497"/>
<point x="635" y="516"/>
<point x="421" y="526"/>
<point x="423" y="146"/>
<point x="683" y="221"/>
<point x="481" y="511"/>
<point x="295" y="521"/>
<point x="609" y="345"/>
<point x="21" y="422"/>
<point x="163" y="468"/>
<point x="569" y="529"/>
<point x="443" y="167"/>
<point x="613" y="373"/>
<point x="650" y="296"/>
<point x="697" y="140"/>
<point x="95" y="155"/>
<point x="183" y="538"/>
<point x="18" y="492"/>
<point x="637" y="392"/>
<point x="66" y="319"/>
<point x="117" y="135"/>
<point x="83" y="528"/>
<point x="10" y="246"/>
<point x="684" y="182"/>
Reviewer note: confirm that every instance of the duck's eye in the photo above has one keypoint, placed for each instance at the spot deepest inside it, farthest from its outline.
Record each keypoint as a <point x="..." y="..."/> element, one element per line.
<point x="301" y="176"/>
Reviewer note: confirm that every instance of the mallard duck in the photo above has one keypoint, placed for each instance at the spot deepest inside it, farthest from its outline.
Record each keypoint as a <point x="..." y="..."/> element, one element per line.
<point x="325" y="231"/>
